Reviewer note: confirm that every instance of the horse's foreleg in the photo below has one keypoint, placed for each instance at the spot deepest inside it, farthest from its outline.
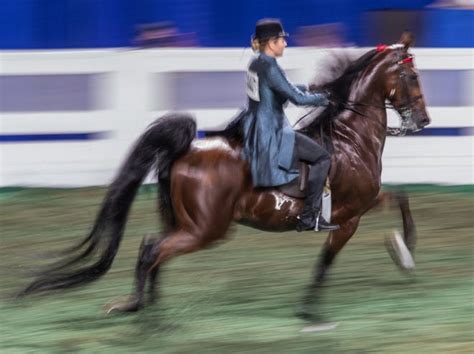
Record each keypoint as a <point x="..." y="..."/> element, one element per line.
<point x="409" y="230"/>
<point x="400" y="248"/>
<point x="334" y="243"/>
<point x="400" y="199"/>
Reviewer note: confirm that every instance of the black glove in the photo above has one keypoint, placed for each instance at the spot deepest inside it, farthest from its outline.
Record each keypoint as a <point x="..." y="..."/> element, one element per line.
<point x="328" y="94"/>
<point x="332" y="99"/>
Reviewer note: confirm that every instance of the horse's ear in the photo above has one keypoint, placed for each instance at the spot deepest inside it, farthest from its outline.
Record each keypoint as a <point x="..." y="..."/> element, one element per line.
<point x="407" y="39"/>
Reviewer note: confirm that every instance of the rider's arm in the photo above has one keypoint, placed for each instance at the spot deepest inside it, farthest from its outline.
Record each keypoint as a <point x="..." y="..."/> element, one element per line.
<point x="301" y="87"/>
<point x="278" y="82"/>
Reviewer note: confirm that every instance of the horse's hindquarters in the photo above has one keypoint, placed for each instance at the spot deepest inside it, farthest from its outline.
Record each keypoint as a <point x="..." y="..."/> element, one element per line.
<point x="206" y="184"/>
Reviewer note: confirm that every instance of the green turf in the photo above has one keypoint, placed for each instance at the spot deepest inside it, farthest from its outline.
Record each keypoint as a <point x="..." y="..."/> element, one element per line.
<point x="240" y="296"/>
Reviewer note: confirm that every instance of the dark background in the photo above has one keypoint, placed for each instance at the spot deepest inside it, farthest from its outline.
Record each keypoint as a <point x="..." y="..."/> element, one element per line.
<point x="47" y="24"/>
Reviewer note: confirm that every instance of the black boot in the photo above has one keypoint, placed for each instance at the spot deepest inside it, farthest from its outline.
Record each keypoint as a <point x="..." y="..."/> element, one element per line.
<point x="306" y="220"/>
<point x="305" y="224"/>
<point x="314" y="221"/>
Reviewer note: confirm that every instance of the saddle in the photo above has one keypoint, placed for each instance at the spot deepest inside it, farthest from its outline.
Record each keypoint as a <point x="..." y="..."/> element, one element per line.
<point x="297" y="187"/>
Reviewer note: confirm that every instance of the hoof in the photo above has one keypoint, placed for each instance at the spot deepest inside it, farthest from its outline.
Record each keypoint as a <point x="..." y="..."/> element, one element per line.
<point x="305" y="314"/>
<point x="319" y="327"/>
<point x="399" y="252"/>
<point x="127" y="303"/>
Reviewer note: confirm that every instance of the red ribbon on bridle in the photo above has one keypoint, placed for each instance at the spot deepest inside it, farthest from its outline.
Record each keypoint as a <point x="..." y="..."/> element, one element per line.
<point x="381" y="47"/>
<point x="406" y="60"/>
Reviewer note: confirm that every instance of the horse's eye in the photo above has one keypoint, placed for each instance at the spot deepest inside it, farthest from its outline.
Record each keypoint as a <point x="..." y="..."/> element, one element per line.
<point x="413" y="77"/>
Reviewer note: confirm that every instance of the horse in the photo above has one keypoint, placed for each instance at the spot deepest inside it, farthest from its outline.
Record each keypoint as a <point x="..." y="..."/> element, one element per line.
<point x="205" y="184"/>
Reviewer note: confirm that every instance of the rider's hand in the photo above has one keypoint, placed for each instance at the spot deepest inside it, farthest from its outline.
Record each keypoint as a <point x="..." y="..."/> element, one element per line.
<point x="331" y="98"/>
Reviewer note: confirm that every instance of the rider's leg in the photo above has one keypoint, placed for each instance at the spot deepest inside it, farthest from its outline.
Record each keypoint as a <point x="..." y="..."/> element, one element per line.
<point x="309" y="151"/>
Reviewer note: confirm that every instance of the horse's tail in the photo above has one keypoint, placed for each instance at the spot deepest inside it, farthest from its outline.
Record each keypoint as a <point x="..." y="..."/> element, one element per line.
<point x="164" y="141"/>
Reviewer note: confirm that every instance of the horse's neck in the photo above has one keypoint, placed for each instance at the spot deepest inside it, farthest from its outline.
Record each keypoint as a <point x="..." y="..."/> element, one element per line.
<point x="365" y="129"/>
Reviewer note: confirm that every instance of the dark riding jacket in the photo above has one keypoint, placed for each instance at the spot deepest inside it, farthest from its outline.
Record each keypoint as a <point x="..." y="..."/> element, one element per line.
<point x="268" y="136"/>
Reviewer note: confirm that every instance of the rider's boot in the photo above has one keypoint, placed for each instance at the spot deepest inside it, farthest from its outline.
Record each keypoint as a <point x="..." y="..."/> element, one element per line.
<point x="313" y="220"/>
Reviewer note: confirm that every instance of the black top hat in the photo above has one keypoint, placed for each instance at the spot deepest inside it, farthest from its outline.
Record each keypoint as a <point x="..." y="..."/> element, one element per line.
<point x="268" y="28"/>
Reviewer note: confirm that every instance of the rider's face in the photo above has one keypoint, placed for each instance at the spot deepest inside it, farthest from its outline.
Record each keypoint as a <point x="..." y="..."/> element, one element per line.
<point x="277" y="46"/>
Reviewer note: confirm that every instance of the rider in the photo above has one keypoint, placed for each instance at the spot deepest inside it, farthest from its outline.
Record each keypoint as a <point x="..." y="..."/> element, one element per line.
<point x="270" y="144"/>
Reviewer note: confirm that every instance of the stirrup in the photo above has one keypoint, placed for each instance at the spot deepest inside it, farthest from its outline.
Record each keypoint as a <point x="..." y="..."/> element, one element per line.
<point x="323" y="225"/>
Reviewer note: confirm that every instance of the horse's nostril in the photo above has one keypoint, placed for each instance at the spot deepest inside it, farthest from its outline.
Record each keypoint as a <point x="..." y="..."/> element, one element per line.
<point x="426" y="121"/>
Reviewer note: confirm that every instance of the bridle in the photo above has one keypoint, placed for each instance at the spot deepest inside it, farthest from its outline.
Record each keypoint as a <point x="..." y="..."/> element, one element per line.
<point x="405" y="110"/>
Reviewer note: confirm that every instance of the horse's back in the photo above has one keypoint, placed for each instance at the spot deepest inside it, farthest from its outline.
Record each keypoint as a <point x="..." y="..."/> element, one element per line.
<point x="217" y="146"/>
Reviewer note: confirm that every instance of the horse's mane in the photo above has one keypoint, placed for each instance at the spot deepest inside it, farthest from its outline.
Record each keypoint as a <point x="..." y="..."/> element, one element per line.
<point x="341" y="66"/>
<point x="340" y="70"/>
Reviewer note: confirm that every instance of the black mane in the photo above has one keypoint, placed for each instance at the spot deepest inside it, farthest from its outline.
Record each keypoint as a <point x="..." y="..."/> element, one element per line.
<point x="342" y="72"/>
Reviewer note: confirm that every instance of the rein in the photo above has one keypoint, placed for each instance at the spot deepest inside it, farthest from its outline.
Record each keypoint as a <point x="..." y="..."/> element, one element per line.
<point x="405" y="111"/>
<point x="407" y="106"/>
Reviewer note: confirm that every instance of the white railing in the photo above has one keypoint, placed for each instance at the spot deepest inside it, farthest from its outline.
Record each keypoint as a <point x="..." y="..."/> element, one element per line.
<point x="132" y="88"/>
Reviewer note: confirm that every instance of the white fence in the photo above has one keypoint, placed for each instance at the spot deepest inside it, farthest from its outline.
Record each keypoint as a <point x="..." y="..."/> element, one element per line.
<point x="68" y="117"/>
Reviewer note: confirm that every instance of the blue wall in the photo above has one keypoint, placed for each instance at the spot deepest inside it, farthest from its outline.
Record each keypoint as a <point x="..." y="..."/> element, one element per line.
<point x="32" y="24"/>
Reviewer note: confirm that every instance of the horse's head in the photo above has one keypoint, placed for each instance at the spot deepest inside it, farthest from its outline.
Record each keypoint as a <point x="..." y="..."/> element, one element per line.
<point x="384" y="73"/>
<point x="403" y="88"/>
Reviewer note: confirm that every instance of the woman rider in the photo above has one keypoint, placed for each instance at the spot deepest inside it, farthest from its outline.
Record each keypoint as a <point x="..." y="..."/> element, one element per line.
<point x="271" y="146"/>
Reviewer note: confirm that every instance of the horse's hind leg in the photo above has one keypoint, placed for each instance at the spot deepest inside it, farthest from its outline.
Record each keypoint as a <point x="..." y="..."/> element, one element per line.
<point x="144" y="270"/>
<point x="203" y="205"/>
<point x="334" y="243"/>
<point x="146" y="258"/>
<point x="151" y="257"/>
<point x="152" y="293"/>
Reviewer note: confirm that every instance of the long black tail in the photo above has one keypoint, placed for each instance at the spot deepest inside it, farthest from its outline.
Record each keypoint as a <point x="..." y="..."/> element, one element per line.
<point x="164" y="141"/>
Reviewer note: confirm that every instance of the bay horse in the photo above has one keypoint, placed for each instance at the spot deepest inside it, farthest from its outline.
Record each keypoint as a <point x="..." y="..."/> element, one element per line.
<point x="205" y="184"/>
